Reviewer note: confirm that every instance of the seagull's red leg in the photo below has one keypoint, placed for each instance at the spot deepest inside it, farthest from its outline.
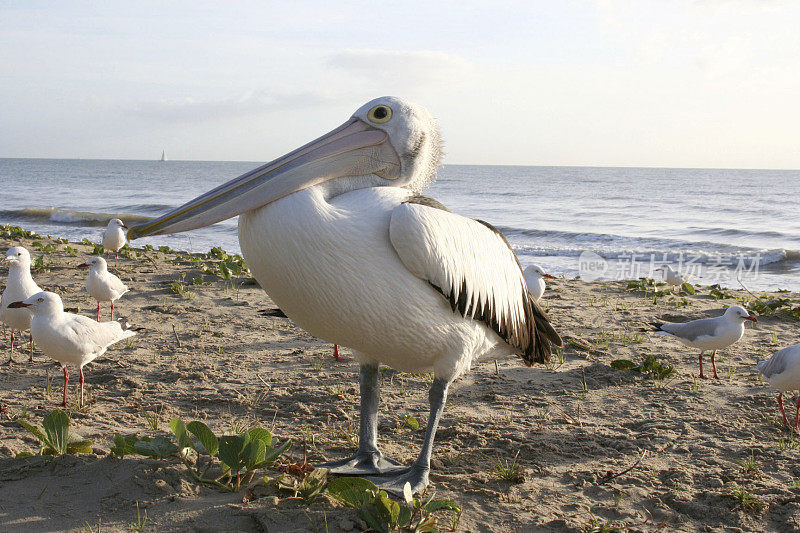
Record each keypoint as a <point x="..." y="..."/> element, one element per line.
<point x="81" y="386"/>
<point x="780" y="404"/>
<point x="116" y="256"/>
<point x="11" y="353"/>
<point x="66" y="381"/>
<point x="106" y="255"/>
<point x="30" y="358"/>
<point x="338" y="357"/>
<point x="797" y="413"/>
<point x="112" y="309"/>
<point x="713" y="364"/>
<point x="98" y="311"/>
<point x="700" y="359"/>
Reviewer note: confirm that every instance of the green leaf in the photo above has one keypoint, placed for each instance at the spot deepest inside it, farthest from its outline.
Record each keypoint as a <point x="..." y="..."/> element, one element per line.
<point x="36" y="430"/>
<point x="623" y="364"/>
<point x="179" y="429"/>
<point x="157" y="447"/>
<point x="80" y="446"/>
<point x="352" y="491"/>
<point x="124" y="445"/>
<point x="230" y="451"/>
<point x="253" y="454"/>
<point x="441" y="505"/>
<point x="404" y="518"/>
<point x="273" y="453"/>
<point x="206" y="437"/>
<point x="261" y="434"/>
<point x="412" y="422"/>
<point x="56" y="427"/>
<point x="688" y="287"/>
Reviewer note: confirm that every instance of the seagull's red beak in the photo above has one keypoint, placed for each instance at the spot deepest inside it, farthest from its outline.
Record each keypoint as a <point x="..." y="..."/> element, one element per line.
<point x="548" y="276"/>
<point x="752" y="318"/>
<point x="17" y="305"/>
<point x="124" y="226"/>
<point x="83" y="265"/>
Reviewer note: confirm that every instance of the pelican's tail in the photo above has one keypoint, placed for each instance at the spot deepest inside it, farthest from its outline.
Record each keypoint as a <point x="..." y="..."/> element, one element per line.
<point x="542" y="334"/>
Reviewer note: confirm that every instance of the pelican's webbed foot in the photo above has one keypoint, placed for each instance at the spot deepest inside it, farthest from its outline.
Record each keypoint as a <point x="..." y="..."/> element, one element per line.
<point x="416" y="475"/>
<point x="364" y="463"/>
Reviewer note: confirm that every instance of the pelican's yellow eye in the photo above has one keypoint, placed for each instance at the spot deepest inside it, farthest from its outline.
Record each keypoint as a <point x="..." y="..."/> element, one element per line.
<point x="379" y="114"/>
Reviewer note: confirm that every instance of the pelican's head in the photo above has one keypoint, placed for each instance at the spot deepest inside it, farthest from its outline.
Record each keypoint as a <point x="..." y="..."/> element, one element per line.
<point x="115" y="223"/>
<point x="18" y="257"/>
<point x="738" y="313"/>
<point x="41" y="303"/>
<point x="95" y="263"/>
<point x="387" y="142"/>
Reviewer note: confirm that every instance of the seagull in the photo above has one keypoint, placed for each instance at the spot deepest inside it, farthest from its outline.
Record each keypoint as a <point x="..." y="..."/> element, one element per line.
<point x="101" y="284"/>
<point x="339" y="236"/>
<point x="674" y="278"/>
<point x="534" y="278"/>
<point x="782" y="370"/>
<point x="68" y="338"/>
<point x="114" y="237"/>
<point x="19" y="286"/>
<point x="710" y="333"/>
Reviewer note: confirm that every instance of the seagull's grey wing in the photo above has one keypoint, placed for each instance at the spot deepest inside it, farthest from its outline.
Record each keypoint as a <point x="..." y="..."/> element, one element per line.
<point x="693" y="330"/>
<point x="778" y="362"/>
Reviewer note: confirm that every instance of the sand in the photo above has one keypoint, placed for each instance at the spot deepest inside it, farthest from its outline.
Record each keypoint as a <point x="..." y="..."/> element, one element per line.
<point x="570" y="424"/>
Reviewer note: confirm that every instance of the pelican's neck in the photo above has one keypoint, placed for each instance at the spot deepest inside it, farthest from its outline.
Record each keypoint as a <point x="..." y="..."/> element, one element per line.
<point x="338" y="186"/>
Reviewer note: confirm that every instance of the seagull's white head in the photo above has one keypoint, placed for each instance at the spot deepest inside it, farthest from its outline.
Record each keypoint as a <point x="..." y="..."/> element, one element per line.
<point x="737" y="313"/>
<point x="18" y="257"/>
<point x="41" y="304"/>
<point x="386" y="142"/>
<point x="536" y="271"/>
<point x="97" y="264"/>
<point x="115" y="223"/>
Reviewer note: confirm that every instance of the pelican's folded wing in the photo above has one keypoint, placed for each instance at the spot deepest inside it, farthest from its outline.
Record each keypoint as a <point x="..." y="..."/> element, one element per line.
<point x="471" y="264"/>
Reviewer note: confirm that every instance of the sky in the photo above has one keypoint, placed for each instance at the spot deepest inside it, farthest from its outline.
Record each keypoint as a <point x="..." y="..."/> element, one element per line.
<point x="679" y="83"/>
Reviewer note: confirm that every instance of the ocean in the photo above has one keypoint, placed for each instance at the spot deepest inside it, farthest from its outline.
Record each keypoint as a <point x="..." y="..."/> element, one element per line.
<point x="720" y="226"/>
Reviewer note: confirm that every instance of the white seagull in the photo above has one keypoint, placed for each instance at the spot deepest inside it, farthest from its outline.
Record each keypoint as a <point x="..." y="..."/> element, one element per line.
<point x="114" y="238"/>
<point x="782" y="370"/>
<point x="710" y="333"/>
<point x="101" y="284"/>
<point x="68" y="338"/>
<point x="673" y="278"/>
<point x="19" y="286"/>
<point x="534" y="279"/>
<point x="338" y="224"/>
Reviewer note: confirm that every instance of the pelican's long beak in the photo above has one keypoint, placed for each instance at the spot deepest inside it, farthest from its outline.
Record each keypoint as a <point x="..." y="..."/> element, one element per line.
<point x="352" y="149"/>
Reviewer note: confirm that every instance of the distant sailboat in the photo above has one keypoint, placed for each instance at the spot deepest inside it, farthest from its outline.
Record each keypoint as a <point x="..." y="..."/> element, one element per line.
<point x="163" y="155"/>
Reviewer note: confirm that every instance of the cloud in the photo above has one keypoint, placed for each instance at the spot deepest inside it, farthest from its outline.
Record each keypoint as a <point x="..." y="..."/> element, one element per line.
<point x="412" y="66"/>
<point x="189" y="109"/>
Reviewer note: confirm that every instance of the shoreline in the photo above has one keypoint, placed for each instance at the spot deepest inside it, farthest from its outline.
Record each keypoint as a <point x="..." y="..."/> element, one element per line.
<point x="566" y="424"/>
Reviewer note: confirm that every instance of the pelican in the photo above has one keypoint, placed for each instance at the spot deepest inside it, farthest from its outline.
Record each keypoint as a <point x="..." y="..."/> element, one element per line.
<point x="339" y="224"/>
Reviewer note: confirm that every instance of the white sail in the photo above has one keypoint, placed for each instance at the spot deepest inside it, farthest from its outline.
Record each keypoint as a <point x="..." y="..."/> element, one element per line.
<point x="163" y="155"/>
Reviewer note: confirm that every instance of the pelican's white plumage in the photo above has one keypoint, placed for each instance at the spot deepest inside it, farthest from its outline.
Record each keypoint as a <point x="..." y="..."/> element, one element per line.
<point x="102" y="285"/>
<point x="19" y="286"/>
<point x="337" y="235"/>
<point x="68" y="338"/>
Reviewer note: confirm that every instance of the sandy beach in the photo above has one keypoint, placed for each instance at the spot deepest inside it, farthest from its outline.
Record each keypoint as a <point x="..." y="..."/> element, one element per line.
<point x="706" y="455"/>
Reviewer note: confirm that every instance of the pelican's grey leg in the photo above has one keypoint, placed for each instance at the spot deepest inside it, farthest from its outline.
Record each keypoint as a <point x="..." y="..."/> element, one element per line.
<point x="417" y="474"/>
<point x="368" y="460"/>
